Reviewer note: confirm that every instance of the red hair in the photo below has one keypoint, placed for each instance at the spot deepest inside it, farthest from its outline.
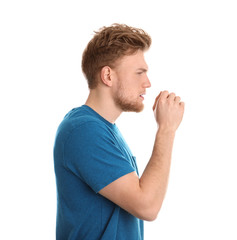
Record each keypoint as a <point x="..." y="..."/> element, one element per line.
<point x="110" y="44"/>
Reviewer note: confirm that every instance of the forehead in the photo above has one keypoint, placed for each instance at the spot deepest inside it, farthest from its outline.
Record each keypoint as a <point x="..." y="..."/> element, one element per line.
<point x="134" y="61"/>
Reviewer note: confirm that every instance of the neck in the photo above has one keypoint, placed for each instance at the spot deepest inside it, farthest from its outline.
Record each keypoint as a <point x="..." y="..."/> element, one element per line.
<point x="103" y="104"/>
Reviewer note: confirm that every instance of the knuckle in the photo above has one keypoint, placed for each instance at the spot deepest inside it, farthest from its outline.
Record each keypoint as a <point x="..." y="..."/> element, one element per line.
<point x="165" y="93"/>
<point x="161" y="101"/>
<point x="171" y="96"/>
<point x="182" y="104"/>
<point x="177" y="99"/>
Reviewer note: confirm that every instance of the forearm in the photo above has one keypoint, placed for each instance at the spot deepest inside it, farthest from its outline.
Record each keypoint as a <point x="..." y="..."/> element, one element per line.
<point x="143" y="197"/>
<point x="154" y="179"/>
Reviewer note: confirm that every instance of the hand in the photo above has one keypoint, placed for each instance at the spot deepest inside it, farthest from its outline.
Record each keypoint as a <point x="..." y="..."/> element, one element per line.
<point x="168" y="111"/>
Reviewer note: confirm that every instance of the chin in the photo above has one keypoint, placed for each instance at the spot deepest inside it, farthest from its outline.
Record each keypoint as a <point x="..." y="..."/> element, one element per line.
<point x="128" y="105"/>
<point x="132" y="107"/>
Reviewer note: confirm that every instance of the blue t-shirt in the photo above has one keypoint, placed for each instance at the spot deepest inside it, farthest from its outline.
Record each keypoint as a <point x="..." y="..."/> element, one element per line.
<point x="89" y="154"/>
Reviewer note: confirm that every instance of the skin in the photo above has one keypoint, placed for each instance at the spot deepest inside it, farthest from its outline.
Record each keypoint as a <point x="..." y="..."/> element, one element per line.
<point x="131" y="82"/>
<point x="119" y="87"/>
<point x="119" y="90"/>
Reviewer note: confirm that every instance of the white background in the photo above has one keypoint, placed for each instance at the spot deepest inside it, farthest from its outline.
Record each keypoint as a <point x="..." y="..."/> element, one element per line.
<point x="194" y="54"/>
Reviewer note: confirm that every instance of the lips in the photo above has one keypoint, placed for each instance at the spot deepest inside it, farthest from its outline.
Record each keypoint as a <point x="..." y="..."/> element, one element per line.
<point x="142" y="95"/>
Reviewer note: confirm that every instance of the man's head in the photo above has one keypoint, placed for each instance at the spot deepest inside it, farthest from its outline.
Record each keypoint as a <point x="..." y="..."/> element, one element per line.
<point x="108" y="46"/>
<point x="129" y="82"/>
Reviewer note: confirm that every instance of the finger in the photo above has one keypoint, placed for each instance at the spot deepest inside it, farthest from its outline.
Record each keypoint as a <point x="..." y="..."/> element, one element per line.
<point x="182" y="104"/>
<point x="177" y="99"/>
<point x="156" y="100"/>
<point x="171" y="96"/>
<point x="164" y="94"/>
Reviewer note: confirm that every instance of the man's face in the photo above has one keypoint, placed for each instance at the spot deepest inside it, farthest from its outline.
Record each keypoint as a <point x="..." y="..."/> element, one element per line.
<point x="131" y="82"/>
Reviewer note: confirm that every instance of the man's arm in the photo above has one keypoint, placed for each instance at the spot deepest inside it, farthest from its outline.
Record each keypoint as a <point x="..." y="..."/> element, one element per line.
<point x="143" y="197"/>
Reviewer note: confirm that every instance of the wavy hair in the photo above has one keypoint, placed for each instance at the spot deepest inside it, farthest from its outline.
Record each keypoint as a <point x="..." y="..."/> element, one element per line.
<point x="110" y="44"/>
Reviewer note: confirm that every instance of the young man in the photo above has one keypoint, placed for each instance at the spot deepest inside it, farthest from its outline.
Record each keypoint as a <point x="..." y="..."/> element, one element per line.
<point x="100" y="194"/>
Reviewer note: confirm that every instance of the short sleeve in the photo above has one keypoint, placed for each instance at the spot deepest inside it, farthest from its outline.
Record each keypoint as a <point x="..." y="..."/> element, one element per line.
<point x="93" y="153"/>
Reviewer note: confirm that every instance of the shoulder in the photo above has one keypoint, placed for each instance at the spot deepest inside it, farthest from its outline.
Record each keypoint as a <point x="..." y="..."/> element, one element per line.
<point x="80" y="119"/>
<point x="81" y="126"/>
<point x="86" y="129"/>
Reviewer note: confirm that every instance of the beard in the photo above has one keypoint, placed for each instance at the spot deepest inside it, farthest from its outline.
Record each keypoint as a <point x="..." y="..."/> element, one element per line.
<point x="126" y="102"/>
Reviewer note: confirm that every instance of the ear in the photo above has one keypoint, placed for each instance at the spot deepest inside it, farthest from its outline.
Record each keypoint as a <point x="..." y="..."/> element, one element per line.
<point x="105" y="75"/>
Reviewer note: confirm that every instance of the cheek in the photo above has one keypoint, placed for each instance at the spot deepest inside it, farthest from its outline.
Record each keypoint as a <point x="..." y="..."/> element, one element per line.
<point x="127" y="86"/>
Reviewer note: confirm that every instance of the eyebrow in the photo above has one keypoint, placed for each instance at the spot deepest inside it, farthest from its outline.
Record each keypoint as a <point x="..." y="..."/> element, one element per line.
<point x="142" y="69"/>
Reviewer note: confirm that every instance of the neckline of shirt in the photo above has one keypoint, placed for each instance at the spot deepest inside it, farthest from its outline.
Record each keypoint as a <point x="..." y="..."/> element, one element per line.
<point x="99" y="116"/>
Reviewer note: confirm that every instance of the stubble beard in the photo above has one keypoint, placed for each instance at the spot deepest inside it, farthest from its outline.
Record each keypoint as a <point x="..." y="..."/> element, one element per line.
<point x="126" y="102"/>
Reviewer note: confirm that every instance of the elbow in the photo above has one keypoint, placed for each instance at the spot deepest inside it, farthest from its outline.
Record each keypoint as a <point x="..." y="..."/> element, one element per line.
<point x="149" y="218"/>
<point x="152" y="217"/>
<point x="149" y="213"/>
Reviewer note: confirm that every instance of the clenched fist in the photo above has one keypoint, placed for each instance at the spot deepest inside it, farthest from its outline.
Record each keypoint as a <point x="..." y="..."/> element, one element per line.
<point x="168" y="111"/>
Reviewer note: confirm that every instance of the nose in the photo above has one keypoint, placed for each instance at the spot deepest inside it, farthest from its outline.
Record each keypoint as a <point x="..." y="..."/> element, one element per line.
<point x="147" y="83"/>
